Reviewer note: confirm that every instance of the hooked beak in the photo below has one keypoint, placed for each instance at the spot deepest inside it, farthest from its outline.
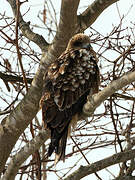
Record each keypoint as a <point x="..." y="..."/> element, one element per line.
<point x="87" y="46"/>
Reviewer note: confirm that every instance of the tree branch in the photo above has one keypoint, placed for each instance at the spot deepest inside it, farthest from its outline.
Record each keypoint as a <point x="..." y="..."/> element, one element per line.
<point x="14" y="124"/>
<point x="66" y="29"/>
<point x="94" y="101"/>
<point x="18" y="4"/>
<point x="26" y="31"/>
<point x="11" y="78"/>
<point x="4" y="112"/>
<point x="99" y="165"/>
<point x="125" y="178"/>
<point x="97" y="99"/>
<point x="23" y="154"/>
<point x="89" y="16"/>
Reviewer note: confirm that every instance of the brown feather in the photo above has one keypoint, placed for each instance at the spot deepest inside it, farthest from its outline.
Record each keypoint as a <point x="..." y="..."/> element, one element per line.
<point x="67" y="83"/>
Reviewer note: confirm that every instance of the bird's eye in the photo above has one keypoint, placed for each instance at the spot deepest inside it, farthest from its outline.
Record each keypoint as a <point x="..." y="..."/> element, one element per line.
<point x="77" y="43"/>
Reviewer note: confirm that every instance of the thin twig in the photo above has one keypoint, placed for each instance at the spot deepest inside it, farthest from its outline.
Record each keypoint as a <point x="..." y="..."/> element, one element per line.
<point x="84" y="156"/>
<point x="17" y="45"/>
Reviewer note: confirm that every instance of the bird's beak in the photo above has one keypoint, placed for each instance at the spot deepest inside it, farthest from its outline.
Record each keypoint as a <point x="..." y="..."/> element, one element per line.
<point x="87" y="46"/>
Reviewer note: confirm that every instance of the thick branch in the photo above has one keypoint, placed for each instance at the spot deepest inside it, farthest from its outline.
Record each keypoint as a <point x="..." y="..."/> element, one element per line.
<point x="66" y="29"/>
<point x="14" y="124"/>
<point x="99" y="165"/>
<point x="23" y="154"/>
<point x="97" y="99"/>
<point x="89" y="16"/>
<point x="27" y="32"/>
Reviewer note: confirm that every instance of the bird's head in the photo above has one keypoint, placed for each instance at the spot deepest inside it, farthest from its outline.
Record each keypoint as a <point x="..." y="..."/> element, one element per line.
<point x="79" y="41"/>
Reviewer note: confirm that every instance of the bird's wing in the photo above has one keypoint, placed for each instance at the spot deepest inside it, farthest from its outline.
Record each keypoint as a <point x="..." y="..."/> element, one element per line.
<point x="71" y="76"/>
<point x="67" y="83"/>
<point x="67" y="79"/>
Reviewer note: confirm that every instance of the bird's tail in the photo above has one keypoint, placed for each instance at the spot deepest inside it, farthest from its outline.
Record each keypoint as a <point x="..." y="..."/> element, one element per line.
<point x="58" y="144"/>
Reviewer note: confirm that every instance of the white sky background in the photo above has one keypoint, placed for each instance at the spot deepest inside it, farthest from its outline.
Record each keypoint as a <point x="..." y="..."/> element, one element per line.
<point x="104" y="25"/>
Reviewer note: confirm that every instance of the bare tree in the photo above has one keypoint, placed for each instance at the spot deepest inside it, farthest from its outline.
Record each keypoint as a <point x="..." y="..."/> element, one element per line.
<point x="23" y="141"/>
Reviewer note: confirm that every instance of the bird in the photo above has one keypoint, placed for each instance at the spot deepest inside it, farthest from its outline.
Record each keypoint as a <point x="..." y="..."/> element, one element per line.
<point x="67" y="83"/>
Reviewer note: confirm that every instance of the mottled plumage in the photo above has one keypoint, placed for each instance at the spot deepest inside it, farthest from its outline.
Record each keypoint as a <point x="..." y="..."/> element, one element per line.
<point x="68" y="81"/>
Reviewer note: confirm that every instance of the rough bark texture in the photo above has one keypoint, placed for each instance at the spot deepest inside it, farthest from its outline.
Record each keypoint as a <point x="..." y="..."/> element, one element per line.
<point x="90" y="15"/>
<point x="97" y="99"/>
<point x="99" y="165"/>
<point x="14" y="124"/>
<point x="23" y="154"/>
<point x="27" y="32"/>
<point x="65" y="30"/>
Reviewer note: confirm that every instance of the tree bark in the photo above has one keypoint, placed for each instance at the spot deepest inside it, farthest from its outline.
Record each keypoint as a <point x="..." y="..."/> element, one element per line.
<point x="14" y="125"/>
<point x="23" y="154"/>
<point x="89" y="16"/>
<point x="97" y="99"/>
<point x="99" y="165"/>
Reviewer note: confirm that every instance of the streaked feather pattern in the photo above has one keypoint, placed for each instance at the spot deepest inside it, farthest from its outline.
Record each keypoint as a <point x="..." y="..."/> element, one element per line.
<point x="68" y="81"/>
